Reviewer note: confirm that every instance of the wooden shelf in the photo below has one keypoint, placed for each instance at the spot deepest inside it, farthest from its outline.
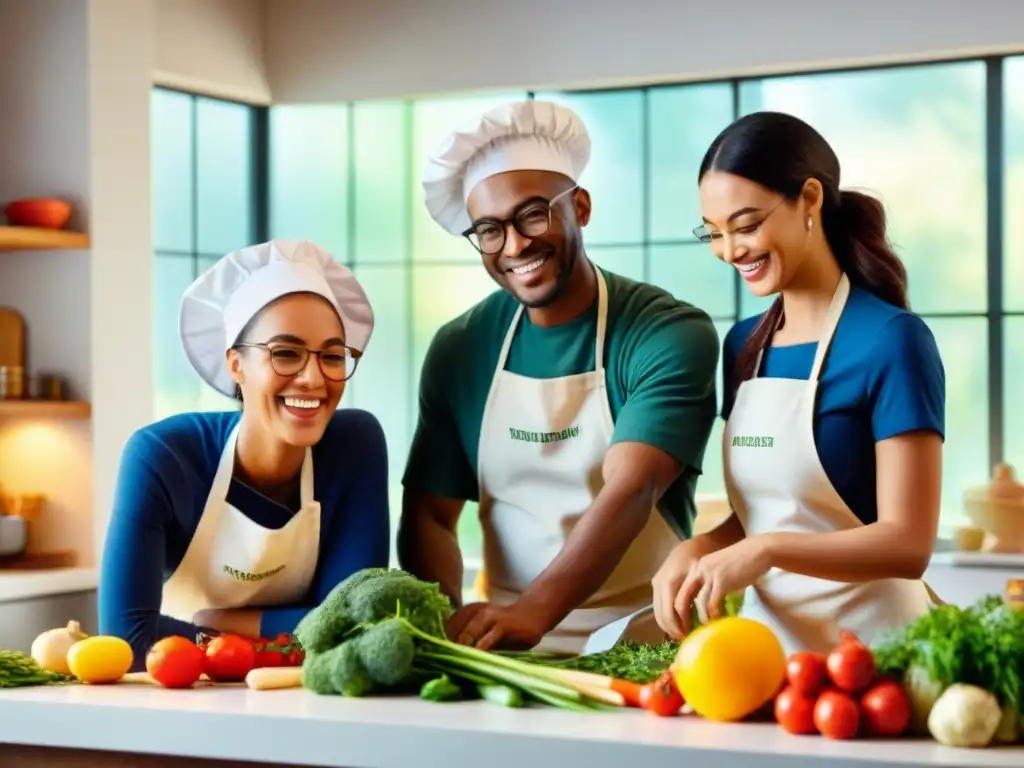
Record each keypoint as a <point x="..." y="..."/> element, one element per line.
<point x="39" y="239"/>
<point x="44" y="409"/>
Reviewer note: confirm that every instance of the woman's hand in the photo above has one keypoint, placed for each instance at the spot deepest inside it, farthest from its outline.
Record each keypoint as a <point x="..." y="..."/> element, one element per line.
<point x="712" y="577"/>
<point x="669" y="580"/>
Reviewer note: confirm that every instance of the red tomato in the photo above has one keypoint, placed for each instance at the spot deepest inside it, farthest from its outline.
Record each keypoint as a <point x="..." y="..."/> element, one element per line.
<point x="886" y="709"/>
<point x="229" y="658"/>
<point x="794" y="711"/>
<point x="175" y="662"/>
<point x="267" y="655"/>
<point x="806" y="672"/>
<point x="851" y="665"/>
<point x="836" y="715"/>
<point x="662" y="697"/>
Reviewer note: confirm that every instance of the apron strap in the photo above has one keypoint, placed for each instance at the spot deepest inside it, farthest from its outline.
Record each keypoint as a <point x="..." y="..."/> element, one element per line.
<point x="602" y="318"/>
<point x="506" y="345"/>
<point x="835" y="311"/>
<point x="306" y="480"/>
<point x="768" y="341"/>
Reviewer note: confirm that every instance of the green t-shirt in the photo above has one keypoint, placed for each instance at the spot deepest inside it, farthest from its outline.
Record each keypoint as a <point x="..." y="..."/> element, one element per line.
<point x="661" y="358"/>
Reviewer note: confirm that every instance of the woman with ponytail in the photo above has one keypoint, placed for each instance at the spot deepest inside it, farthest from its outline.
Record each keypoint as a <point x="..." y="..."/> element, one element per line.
<point x="834" y="404"/>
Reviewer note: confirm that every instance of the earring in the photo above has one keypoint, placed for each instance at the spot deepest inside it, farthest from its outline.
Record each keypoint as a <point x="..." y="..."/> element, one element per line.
<point x="810" y="223"/>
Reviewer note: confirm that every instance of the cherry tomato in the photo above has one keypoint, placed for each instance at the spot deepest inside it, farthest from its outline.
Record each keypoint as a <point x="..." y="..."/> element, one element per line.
<point x="229" y="658"/>
<point x="175" y="662"/>
<point x="267" y="654"/>
<point x="886" y="709"/>
<point x="851" y="665"/>
<point x="662" y="697"/>
<point x="836" y="715"/>
<point x="794" y="711"/>
<point x="807" y="672"/>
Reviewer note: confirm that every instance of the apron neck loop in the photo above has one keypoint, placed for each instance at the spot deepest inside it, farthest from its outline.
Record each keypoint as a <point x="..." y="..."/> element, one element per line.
<point x="602" y="322"/>
<point x="226" y="470"/>
<point x="835" y="311"/>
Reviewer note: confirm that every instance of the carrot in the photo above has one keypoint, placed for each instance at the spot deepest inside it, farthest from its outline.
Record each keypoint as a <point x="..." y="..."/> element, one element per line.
<point x="630" y="692"/>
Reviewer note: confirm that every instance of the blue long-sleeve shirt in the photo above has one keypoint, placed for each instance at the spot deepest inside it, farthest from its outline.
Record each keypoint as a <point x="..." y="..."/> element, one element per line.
<point x="166" y="473"/>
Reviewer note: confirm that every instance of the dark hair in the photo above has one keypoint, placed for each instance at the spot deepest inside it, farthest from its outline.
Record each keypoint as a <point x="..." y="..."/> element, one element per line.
<point x="781" y="152"/>
<point x="244" y="336"/>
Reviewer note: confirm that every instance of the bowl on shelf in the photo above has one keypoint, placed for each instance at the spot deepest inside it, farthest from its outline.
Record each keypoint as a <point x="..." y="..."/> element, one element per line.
<point x="43" y="212"/>
<point x="998" y="510"/>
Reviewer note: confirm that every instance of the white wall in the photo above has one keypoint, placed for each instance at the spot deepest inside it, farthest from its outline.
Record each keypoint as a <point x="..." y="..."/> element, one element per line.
<point x="75" y="77"/>
<point x="213" y="47"/>
<point x="333" y="50"/>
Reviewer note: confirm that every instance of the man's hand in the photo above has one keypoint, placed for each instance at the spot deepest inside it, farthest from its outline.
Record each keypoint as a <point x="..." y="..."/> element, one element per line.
<point x="487" y="626"/>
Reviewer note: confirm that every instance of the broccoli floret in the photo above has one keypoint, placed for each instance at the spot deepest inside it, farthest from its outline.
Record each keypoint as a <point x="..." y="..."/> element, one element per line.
<point x="348" y="673"/>
<point x="327" y="625"/>
<point x="386" y="651"/>
<point x="422" y="604"/>
<point x="316" y="672"/>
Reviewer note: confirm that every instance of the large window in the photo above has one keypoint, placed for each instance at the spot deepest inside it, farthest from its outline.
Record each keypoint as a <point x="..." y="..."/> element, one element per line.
<point x="204" y="205"/>
<point x="942" y="145"/>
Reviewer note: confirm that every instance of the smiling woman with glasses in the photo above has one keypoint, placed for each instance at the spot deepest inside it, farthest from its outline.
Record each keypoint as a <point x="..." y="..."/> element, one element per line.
<point x="243" y="522"/>
<point x="834" y="404"/>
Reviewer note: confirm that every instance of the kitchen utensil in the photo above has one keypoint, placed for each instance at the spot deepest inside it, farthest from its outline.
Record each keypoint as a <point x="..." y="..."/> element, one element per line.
<point x="998" y="509"/>
<point x="12" y="338"/>
<point x="607" y="636"/>
<point x="45" y="212"/>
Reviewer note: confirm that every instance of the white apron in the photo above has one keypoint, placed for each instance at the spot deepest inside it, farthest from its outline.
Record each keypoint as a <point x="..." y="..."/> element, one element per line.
<point x="776" y="482"/>
<point x="542" y="446"/>
<point x="232" y="562"/>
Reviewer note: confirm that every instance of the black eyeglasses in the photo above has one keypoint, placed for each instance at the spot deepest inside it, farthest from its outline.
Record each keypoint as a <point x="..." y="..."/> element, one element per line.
<point x="337" y="362"/>
<point x="531" y="220"/>
<point x="705" y="235"/>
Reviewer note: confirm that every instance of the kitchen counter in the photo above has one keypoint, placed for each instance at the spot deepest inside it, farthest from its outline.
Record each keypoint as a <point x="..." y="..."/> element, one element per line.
<point x="298" y="728"/>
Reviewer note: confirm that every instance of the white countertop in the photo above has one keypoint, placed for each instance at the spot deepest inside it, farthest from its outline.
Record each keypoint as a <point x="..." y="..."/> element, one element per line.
<point x="300" y="728"/>
<point x="29" y="584"/>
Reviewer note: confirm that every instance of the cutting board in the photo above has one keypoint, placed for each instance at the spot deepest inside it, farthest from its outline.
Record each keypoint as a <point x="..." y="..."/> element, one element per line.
<point x="265" y="679"/>
<point x="12" y="339"/>
<point x="143" y="678"/>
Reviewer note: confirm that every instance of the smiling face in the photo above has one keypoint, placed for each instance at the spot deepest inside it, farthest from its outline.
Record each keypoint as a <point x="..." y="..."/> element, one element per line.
<point x="294" y="408"/>
<point x="757" y="230"/>
<point x="534" y="269"/>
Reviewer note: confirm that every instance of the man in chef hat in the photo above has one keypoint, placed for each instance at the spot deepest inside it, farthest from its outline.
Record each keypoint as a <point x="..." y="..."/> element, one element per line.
<point x="574" y="405"/>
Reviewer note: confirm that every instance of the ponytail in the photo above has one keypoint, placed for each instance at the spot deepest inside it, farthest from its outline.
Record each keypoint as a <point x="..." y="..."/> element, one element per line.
<point x="855" y="231"/>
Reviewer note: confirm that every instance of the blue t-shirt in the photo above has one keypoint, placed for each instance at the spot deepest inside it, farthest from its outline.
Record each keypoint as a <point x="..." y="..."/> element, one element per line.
<point x="882" y="377"/>
<point x="166" y="473"/>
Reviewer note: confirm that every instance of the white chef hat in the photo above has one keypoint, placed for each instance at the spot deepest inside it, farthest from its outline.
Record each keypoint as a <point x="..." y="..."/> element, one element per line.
<point x="519" y="136"/>
<point x="219" y="304"/>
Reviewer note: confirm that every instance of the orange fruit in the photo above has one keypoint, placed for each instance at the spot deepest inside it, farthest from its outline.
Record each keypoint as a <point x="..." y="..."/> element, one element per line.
<point x="730" y="668"/>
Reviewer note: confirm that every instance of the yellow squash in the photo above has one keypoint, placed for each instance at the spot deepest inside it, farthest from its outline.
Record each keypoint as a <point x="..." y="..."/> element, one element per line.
<point x="100" y="659"/>
<point x="730" y="668"/>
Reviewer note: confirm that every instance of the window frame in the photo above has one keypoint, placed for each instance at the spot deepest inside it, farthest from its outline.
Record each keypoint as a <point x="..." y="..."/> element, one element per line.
<point x="995" y="314"/>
